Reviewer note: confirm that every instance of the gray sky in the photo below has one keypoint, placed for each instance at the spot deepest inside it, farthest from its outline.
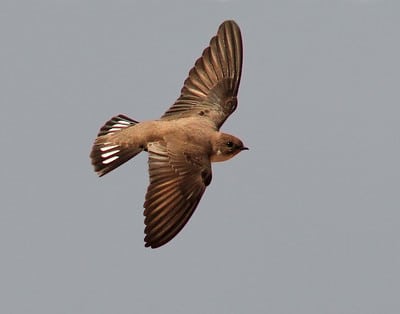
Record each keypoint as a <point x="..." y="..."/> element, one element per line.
<point x="307" y="221"/>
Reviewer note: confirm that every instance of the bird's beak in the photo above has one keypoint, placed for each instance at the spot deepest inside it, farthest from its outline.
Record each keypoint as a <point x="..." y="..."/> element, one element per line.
<point x="244" y="148"/>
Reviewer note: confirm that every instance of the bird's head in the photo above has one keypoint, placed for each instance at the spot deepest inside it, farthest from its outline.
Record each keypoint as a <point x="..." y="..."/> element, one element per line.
<point x="225" y="147"/>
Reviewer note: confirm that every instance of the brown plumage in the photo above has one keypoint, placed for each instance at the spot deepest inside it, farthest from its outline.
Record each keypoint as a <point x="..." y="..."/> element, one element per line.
<point x="184" y="141"/>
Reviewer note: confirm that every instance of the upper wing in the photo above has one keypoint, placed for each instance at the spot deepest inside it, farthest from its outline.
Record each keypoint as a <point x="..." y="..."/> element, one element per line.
<point x="177" y="183"/>
<point x="213" y="82"/>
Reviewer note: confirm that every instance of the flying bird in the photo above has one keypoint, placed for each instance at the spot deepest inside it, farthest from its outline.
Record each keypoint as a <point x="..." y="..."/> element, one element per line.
<point x="184" y="142"/>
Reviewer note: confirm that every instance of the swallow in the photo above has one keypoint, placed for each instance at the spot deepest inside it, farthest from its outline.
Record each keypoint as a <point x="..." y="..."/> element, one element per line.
<point x="183" y="143"/>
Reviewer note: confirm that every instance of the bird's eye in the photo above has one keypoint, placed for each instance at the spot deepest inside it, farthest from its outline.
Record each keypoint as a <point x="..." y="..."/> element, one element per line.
<point x="229" y="144"/>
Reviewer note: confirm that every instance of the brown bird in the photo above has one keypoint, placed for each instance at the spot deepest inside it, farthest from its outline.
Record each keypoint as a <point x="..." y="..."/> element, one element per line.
<point x="184" y="141"/>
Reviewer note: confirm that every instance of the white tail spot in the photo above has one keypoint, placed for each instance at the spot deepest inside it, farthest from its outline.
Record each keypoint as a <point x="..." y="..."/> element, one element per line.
<point x="105" y="155"/>
<point x="103" y="149"/>
<point x="107" y="161"/>
<point x="125" y="123"/>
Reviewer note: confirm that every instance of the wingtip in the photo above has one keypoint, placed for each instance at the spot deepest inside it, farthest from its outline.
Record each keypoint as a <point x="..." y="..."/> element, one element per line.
<point x="151" y="245"/>
<point x="230" y="21"/>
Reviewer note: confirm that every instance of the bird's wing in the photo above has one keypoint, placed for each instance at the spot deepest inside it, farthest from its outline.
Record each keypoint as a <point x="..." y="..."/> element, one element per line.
<point x="213" y="83"/>
<point x="177" y="183"/>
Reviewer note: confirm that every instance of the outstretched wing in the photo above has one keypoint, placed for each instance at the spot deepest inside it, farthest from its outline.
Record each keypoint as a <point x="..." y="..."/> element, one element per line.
<point x="213" y="82"/>
<point x="177" y="183"/>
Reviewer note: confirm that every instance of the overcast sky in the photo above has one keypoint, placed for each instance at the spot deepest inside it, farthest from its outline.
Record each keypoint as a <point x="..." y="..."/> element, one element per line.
<point x="305" y="222"/>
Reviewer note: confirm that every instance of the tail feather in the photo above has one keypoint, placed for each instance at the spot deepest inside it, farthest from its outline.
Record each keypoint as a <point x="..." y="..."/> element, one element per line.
<point x="116" y="124"/>
<point x="108" y="153"/>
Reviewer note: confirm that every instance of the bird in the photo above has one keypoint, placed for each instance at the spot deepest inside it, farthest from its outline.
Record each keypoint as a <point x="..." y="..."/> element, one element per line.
<point x="182" y="144"/>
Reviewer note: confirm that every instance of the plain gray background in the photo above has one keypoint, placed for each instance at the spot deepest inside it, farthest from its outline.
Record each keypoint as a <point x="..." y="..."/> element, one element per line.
<point x="307" y="221"/>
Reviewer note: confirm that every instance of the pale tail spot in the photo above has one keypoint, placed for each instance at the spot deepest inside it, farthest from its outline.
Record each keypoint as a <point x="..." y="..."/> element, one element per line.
<point x="125" y="123"/>
<point x="107" y="161"/>
<point x="105" y="155"/>
<point x="105" y="148"/>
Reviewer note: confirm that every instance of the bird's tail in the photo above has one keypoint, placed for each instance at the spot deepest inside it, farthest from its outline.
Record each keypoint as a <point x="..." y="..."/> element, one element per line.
<point x="108" y="152"/>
